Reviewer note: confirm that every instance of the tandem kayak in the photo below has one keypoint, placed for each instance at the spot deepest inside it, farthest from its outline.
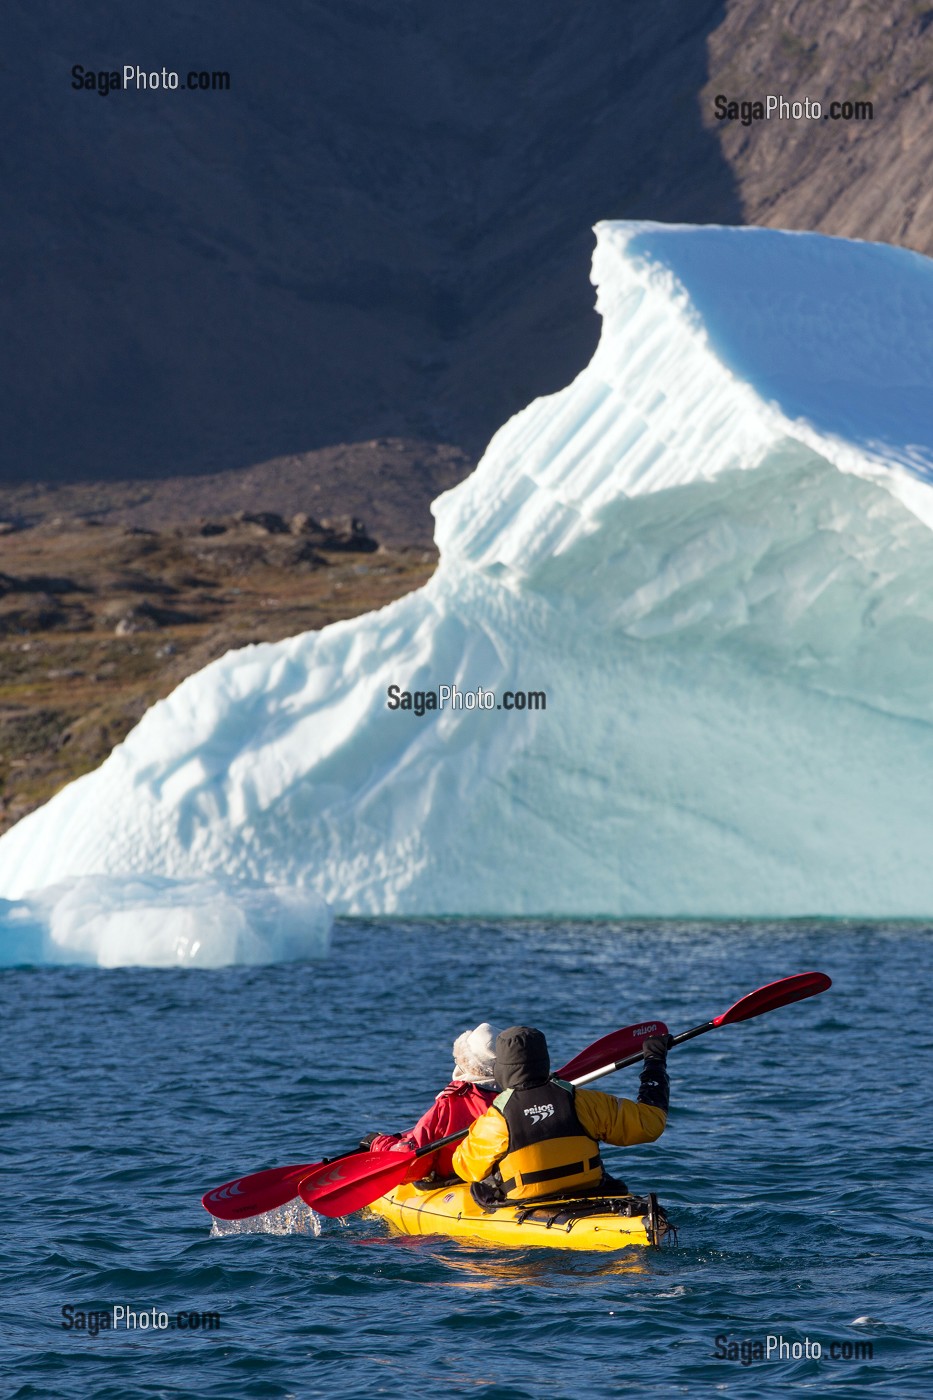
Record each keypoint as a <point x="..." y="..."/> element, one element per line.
<point x="604" y="1222"/>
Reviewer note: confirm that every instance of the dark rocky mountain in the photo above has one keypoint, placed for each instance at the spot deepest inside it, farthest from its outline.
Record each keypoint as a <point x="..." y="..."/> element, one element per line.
<point x="383" y="228"/>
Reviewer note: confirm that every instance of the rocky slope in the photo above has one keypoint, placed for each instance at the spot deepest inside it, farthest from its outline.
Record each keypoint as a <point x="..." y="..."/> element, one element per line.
<point x="859" y="179"/>
<point x="98" y="620"/>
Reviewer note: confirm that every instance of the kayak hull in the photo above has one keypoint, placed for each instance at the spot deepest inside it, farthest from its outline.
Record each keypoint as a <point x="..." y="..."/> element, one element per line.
<point x="603" y="1225"/>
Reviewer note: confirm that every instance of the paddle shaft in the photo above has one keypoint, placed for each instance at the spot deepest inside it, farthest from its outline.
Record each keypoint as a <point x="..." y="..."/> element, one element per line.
<point x="768" y="998"/>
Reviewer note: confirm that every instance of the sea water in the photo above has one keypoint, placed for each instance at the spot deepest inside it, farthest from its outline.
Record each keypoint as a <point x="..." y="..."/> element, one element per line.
<point x="796" y="1165"/>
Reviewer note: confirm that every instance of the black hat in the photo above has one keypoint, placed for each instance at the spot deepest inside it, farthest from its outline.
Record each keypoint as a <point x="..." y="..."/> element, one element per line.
<point x="522" y="1059"/>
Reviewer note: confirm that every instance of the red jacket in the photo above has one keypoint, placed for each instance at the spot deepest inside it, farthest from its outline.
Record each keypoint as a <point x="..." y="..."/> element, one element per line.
<point x="455" y="1107"/>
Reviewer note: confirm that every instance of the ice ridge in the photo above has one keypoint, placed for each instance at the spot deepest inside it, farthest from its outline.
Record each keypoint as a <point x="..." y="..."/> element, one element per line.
<point x="712" y="551"/>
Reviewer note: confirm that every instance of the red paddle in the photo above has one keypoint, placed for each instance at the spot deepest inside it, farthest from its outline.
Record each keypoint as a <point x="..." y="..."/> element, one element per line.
<point x="267" y="1190"/>
<point x="356" y="1182"/>
<point x="251" y="1195"/>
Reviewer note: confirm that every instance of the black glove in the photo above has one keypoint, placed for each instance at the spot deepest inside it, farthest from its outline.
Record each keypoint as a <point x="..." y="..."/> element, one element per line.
<point x="656" y="1047"/>
<point x="367" y="1141"/>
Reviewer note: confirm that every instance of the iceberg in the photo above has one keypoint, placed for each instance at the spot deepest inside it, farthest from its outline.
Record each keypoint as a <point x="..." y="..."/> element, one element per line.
<point x="713" y="555"/>
<point x="148" y="921"/>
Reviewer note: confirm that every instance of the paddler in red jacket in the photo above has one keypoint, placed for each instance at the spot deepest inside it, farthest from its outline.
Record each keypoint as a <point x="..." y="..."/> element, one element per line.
<point x="541" y="1136"/>
<point x="468" y="1095"/>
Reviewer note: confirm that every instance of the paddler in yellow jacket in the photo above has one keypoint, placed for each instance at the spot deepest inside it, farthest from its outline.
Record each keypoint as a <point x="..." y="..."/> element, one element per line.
<point x="541" y="1136"/>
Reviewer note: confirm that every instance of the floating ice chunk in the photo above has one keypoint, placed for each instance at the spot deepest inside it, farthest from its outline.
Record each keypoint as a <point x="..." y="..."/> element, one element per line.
<point x="149" y="921"/>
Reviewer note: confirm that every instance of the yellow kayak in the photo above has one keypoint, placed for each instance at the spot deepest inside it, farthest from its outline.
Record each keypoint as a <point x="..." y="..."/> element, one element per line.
<point x="604" y="1223"/>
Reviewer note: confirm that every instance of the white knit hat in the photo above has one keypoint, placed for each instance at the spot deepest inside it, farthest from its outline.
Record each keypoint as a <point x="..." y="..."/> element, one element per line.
<point x="475" y="1055"/>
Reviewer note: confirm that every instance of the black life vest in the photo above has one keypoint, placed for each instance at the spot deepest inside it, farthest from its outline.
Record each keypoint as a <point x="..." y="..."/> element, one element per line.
<point x="549" y="1149"/>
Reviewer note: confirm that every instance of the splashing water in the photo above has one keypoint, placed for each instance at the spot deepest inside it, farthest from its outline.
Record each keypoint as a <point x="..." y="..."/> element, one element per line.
<point x="294" y="1218"/>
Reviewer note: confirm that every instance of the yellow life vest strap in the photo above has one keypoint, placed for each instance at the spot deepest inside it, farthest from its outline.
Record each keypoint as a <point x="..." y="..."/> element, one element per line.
<point x="572" y="1169"/>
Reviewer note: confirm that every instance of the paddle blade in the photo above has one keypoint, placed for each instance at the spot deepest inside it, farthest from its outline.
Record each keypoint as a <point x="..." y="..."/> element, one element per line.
<point x="339" y="1188"/>
<point x="617" y="1045"/>
<point x="252" y="1195"/>
<point x="773" y="995"/>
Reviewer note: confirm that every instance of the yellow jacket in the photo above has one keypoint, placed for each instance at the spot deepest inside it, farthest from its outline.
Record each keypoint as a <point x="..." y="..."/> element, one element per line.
<point x="604" y="1117"/>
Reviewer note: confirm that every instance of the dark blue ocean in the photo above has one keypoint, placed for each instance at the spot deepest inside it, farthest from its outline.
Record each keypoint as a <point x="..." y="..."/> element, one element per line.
<point x="796" y="1165"/>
